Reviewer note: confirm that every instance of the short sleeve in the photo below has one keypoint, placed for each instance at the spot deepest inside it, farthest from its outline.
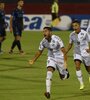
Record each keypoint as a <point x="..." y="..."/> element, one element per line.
<point x="60" y="42"/>
<point x="88" y="37"/>
<point x="88" y="29"/>
<point x="70" y="39"/>
<point x="41" y="46"/>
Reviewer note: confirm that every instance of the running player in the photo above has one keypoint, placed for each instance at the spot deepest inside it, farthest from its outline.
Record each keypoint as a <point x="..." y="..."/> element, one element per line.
<point x="56" y="58"/>
<point x="80" y="40"/>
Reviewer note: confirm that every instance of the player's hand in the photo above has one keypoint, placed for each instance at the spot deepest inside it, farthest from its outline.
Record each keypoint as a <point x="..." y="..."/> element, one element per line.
<point x="31" y="62"/>
<point x="88" y="50"/>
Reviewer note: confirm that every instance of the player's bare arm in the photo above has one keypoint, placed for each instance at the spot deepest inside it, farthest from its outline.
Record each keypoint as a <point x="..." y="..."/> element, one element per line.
<point x="88" y="50"/>
<point x="35" y="57"/>
<point x="65" y="57"/>
<point x="69" y="47"/>
<point x="64" y="52"/>
<point x="11" y="29"/>
<point x="65" y="61"/>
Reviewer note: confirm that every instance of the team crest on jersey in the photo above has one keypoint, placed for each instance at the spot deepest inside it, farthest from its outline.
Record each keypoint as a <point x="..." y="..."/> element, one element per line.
<point x="82" y="33"/>
<point x="53" y="41"/>
<point x="53" y="45"/>
<point x="78" y="42"/>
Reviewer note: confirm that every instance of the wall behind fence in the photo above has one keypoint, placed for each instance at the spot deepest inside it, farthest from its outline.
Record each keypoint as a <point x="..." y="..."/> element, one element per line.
<point x="41" y="8"/>
<point x="39" y="14"/>
<point x="49" y="1"/>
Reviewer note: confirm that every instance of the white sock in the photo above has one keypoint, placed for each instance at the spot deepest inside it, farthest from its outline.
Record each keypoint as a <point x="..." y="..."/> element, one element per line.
<point x="79" y="76"/>
<point x="48" y="81"/>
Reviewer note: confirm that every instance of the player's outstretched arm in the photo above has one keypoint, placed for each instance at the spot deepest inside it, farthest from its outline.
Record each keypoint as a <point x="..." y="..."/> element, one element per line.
<point x="68" y="48"/>
<point x="88" y="50"/>
<point x="65" y="62"/>
<point x="35" y="57"/>
<point x="65" y="57"/>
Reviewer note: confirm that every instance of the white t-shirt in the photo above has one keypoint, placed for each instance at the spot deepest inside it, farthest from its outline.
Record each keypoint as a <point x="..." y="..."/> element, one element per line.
<point x="88" y="30"/>
<point x="84" y="40"/>
<point x="73" y="39"/>
<point x="53" y="46"/>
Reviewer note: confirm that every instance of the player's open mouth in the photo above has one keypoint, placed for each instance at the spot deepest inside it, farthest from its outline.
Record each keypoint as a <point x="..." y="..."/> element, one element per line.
<point x="44" y="35"/>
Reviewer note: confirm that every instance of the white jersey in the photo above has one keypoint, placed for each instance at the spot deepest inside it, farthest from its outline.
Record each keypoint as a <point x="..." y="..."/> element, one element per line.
<point x="84" y="40"/>
<point x="74" y="40"/>
<point x="88" y="30"/>
<point x="53" y="46"/>
<point x="80" y="41"/>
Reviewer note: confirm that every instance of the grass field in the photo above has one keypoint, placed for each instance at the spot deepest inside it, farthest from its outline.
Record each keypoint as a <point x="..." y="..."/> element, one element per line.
<point x="20" y="81"/>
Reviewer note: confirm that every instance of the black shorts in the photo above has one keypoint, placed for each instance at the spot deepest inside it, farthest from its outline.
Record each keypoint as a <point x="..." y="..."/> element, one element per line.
<point x="17" y="31"/>
<point x="54" y="16"/>
<point x="2" y="33"/>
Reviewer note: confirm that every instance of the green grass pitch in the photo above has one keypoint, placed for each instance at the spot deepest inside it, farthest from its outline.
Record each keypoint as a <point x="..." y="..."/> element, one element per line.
<point x="21" y="81"/>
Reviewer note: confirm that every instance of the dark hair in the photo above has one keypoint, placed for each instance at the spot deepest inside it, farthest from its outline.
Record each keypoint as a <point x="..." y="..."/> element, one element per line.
<point x="76" y="21"/>
<point x="1" y="1"/>
<point x="48" y="28"/>
<point x="20" y="0"/>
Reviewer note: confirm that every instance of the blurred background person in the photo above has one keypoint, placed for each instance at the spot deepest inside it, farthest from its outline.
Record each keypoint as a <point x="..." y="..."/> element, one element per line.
<point x="2" y="24"/>
<point x="55" y="13"/>
<point x="16" y="25"/>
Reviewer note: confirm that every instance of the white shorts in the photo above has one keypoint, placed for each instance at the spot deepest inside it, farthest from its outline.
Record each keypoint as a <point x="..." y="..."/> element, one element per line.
<point x="86" y="60"/>
<point x="56" y="63"/>
<point x="77" y="56"/>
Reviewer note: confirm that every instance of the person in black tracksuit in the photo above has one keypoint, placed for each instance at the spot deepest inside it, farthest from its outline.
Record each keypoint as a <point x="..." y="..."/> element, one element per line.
<point x="16" y="26"/>
<point x="2" y="25"/>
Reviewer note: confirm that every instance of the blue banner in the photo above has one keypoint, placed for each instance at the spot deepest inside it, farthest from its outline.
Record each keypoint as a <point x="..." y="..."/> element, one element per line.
<point x="37" y="22"/>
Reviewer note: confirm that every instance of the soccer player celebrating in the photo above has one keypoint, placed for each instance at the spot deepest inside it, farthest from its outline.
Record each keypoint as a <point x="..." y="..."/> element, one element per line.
<point x="2" y="24"/>
<point x="16" y="26"/>
<point x="80" y="40"/>
<point x="56" y="58"/>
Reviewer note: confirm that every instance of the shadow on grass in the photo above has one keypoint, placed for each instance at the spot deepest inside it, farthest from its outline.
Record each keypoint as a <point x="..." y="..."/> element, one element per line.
<point x="15" y="58"/>
<point x="34" y="80"/>
<point x="73" y="96"/>
<point x="8" y="67"/>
